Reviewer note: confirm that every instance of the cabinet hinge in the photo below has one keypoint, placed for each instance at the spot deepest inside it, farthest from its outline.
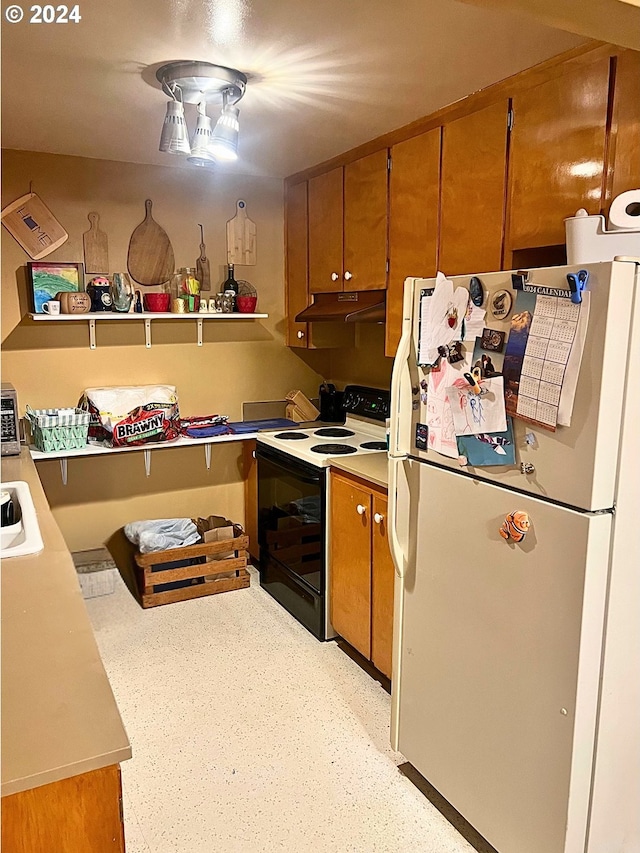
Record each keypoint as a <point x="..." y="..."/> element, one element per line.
<point x="510" y="119"/>
<point x="387" y="264"/>
<point x="389" y="162"/>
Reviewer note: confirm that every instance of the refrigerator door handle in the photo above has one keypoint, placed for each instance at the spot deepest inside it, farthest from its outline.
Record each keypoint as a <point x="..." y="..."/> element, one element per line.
<point x="400" y="424"/>
<point x="395" y="546"/>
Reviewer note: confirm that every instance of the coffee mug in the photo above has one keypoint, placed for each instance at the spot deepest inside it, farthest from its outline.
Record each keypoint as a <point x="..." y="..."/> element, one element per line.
<point x="51" y="307"/>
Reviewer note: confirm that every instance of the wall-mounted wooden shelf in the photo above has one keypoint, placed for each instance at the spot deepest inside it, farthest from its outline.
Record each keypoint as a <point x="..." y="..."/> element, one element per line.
<point x="95" y="450"/>
<point x="146" y="317"/>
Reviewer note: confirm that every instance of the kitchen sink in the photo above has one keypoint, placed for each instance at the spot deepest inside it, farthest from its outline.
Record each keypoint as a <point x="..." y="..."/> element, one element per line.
<point x="23" y="536"/>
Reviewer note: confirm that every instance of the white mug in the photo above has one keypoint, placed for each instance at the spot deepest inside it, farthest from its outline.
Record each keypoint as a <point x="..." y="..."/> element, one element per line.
<point x="51" y="307"/>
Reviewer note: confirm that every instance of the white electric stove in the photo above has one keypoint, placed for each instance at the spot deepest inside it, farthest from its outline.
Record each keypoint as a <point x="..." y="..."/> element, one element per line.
<point x="292" y="502"/>
<point x="362" y="432"/>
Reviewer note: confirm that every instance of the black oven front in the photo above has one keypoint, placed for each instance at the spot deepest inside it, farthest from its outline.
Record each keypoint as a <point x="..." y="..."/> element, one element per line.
<point x="291" y="535"/>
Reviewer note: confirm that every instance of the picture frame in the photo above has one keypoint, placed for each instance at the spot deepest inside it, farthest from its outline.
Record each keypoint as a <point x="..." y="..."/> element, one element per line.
<point x="46" y="278"/>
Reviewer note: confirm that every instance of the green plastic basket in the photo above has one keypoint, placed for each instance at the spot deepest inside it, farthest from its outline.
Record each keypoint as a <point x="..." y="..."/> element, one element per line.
<point x="58" y="429"/>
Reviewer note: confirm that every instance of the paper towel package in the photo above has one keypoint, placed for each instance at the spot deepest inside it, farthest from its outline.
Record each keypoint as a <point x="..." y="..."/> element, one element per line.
<point x="588" y="240"/>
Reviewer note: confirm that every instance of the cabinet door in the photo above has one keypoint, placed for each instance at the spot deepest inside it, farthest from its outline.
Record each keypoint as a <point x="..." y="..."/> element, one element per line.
<point x="82" y="813"/>
<point x="297" y="289"/>
<point x="325" y="232"/>
<point x="624" y="146"/>
<point x="350" y="567"/>
<point x="382" y="581"/>
<point x="250" y="472"/>
<point x="365" y="222"/>
<point x="557" y="154"/>
<point x="474" y="171"/>
<point x="413" y="221"/>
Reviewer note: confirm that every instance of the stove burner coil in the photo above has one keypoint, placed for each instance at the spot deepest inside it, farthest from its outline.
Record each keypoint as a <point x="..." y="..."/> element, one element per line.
<point x="291" y="436"/>
<point x="334" y="432"/>
<point x="333" y="449"/>
<point x="374" y="445"/>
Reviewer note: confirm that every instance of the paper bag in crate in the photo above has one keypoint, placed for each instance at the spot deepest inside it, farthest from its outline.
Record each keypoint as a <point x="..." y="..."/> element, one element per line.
<point x="216" y="528"/>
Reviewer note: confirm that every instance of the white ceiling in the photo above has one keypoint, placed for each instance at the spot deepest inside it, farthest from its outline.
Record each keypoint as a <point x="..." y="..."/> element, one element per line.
<point x="323" y="76"/>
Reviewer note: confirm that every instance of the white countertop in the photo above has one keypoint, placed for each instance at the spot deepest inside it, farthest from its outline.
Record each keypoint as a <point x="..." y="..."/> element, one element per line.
<point x="59" y="715"/>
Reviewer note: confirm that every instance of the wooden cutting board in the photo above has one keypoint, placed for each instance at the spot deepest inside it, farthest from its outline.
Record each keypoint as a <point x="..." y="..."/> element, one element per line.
<point x="96" y="249"/>
<point x="150" y="259"/>
<point x="241" y="237"/>
<point x="203" y="270"/>
<point x="31" y="223"/>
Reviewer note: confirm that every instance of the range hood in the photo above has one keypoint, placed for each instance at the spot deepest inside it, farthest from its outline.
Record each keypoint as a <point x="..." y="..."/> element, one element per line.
<point x="360" y="306"/>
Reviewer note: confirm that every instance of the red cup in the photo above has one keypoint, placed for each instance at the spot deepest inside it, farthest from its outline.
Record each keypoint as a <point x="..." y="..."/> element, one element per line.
<point x="246" y="304"/>
<point x="156" y="302"/>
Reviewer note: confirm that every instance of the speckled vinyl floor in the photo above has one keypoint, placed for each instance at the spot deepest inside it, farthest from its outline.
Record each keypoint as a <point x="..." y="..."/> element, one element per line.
<point x="249" y="735"/>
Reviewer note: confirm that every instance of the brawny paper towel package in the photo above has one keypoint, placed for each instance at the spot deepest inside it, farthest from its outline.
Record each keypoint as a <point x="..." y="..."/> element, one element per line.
<point x="588" y="241"/>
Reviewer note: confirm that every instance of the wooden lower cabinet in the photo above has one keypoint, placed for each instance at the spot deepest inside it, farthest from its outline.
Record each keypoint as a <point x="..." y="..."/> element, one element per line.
<point x="82" y="814"/>
<point x="361" y="571"/>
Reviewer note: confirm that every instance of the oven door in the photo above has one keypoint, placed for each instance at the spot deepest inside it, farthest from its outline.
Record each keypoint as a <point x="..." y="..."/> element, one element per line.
<point x="291" y="534"/>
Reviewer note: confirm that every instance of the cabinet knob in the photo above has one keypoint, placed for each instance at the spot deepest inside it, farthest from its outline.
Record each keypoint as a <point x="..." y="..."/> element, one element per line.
<point x="348" y="276"/>
<point x="378" y="518"/>
<point x="334" y="276"/>
<point x="300" y="335"/>
<point x="361" y="509"/>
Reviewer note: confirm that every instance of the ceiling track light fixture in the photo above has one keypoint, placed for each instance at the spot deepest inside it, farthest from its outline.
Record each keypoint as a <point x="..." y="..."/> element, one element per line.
<point x="201" y="83"/>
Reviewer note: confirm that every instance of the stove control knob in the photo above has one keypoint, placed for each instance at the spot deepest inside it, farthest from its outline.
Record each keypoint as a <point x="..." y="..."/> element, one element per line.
<point x="361" y="509"/>
<point x="378" y="518"/>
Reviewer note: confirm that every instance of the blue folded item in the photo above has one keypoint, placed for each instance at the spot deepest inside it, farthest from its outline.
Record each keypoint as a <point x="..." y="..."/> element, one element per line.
<point x="208" y="431"/>
<point x="264" y="423"/>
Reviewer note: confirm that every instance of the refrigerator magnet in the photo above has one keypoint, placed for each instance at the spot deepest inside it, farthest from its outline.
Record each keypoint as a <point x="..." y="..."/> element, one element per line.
<point x="492" y="340"/>
<point x="500" y="304"/>
<point x="515" y="526"/>
<point x="422" y="436"/>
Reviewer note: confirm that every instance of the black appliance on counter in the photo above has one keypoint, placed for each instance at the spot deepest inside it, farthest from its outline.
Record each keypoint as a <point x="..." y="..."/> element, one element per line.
<point x="292" y="502"/>
<point x="331" y="404"/>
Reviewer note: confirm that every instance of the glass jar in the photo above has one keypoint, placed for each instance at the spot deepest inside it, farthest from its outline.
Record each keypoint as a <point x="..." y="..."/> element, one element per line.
<point x="121" y="291"/>
<point x="185" y="286"/>
<point x="189" y="284"/>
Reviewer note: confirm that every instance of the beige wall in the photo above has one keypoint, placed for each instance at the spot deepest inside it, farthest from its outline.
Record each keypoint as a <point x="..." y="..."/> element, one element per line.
<point x="51" y="364"/>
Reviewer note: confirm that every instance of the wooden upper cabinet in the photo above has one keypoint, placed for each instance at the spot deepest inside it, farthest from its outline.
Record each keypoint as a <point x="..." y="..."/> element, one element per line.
<point x="325" y="232"/>
<point x="624" y="143"/>
<point x="297" y="290"/>
<point x="557" y="154"/>
<point x="365" y="222"/>
<point x="413" y="221"/>
<point x="474" y="173"/>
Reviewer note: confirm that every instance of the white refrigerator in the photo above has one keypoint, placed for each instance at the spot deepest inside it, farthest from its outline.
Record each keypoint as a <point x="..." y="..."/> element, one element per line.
<point x="516" y="671"/>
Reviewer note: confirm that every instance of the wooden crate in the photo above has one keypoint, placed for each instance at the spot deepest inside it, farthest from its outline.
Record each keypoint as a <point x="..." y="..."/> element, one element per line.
<point x="192" y="565"/>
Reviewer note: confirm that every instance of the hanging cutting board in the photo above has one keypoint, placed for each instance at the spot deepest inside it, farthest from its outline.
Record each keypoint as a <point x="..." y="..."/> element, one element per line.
<point x="31" y="223"/>
<point x="203" y="270"/>
<point x="150" y="259"/>
<point x="241" y="237"/>
<point x="96" y="249"/>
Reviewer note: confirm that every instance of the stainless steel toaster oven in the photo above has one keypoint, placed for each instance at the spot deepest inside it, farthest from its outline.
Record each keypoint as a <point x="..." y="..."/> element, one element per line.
<point x="10" y="421"/>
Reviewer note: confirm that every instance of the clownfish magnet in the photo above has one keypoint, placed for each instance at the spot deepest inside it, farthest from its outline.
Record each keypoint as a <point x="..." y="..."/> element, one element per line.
<point x="515" y="526"/>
